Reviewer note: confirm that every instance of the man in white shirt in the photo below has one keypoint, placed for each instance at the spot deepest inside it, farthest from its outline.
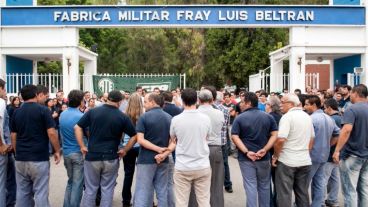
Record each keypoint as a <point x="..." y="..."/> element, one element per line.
<point x="189" y="132"/>
<point x="291" y="156"/>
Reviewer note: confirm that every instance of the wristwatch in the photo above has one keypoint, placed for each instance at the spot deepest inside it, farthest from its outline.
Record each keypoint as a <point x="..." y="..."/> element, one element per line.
<point x="274" y="157"/>
<point x="246" y="153"/>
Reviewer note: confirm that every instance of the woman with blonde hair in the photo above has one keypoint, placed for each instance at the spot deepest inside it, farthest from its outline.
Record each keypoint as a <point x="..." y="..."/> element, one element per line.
<point x="134" y="110"/>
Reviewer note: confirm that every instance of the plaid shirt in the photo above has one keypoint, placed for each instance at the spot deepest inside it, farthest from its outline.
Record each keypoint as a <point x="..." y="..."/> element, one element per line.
<point x="224" y="128"/>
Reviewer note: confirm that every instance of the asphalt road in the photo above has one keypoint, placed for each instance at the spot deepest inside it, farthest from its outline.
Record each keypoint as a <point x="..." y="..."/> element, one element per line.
<point x="58" y="180"/>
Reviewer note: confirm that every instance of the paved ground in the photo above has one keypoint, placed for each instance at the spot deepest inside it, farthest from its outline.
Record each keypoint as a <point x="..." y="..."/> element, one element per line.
<point x="58" y="181"/>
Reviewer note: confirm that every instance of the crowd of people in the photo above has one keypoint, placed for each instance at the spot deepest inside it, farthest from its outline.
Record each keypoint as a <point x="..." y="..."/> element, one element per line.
<point x="177" y="144"/>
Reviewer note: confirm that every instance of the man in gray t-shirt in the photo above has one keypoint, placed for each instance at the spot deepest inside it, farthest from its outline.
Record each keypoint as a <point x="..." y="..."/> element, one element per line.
<point x="190" y="132"/>
<point x="353" y="144"/>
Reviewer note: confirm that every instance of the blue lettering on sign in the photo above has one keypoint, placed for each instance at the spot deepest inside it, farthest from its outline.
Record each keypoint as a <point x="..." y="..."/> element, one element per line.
<point x="182" y="16"/>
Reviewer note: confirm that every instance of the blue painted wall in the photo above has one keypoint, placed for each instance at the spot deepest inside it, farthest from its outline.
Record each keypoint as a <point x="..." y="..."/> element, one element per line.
<point x="346" y="2"/>
<point x="345" y="65"/>
<point x="18" y="65"/>
<point x="19" y="2"/>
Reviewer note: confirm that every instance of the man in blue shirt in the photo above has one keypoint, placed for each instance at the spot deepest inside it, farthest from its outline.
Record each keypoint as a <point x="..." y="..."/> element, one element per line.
<point x="32" y="128"/>
<point x="73" y="158"/>
<point x="173" y="110"/>
<point x="262" y="101"/>
<point x="353" y="144"/>
<point x="326" y="133"/>
<point x="169" y="107"/>
<point x="106" y="126"/>
<point x="153" y="134"/>
<point x="254" y="133"/>
<point x="332" y="171"/>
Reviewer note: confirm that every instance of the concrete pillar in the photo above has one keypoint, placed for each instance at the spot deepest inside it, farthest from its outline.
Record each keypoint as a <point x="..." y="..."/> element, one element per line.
<point x="332" y="74"/>
<point x="90" y="69"/>
<point x="297" y="58"/>
<point x="70" y="69"/>
<point x="34" y="70"/>
<point x="297" y="68"/>
<point x="364" y="65"/>
<point x="276" y="75"/>
<point x="2" y="65"/>
<point x="2" y="56"/>
<point x="364" y="57"/>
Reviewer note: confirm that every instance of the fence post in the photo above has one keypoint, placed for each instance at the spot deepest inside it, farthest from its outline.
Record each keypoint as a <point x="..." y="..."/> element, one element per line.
<point x="17" y="82"/>
<point x="50" y="89"/>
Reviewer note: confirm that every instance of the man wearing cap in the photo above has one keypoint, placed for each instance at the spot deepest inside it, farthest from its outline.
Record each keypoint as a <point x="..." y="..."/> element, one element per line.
<point x="106" y="126"/>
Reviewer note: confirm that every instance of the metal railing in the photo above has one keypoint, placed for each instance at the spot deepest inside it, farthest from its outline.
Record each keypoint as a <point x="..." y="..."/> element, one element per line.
<point x="54" y="81"/>
<point x="353" y="79"/>
<point x="15" y="81"/>
<point x="261" y="80"/>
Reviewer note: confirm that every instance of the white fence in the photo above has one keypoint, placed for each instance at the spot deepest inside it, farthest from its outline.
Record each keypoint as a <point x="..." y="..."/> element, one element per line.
<point x="261" y="80"/>
<point x="14" y="82"/>
<point x="54" y="81"/>
<point x="353" y="79"/>
<point x="312" y="80"/>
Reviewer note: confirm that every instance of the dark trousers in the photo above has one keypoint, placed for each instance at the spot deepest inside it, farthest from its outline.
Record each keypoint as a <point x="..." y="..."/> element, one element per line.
<point x="11" y="185"/>
<point x="273" y="187"/>
<point x="292" y="178"/>
<point x="227" y="182"/>
<point x="129" y="168"/>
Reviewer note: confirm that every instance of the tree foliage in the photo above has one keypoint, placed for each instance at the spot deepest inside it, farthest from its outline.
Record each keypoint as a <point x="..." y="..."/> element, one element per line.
<point x="207" y="56"/>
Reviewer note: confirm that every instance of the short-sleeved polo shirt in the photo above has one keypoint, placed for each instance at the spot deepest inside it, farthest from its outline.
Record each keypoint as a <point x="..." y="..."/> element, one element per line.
<point x="106" y="126"/>
<point x="324" y="129"/>
<point x="68" y="119"/>
<point x="31" y="122"/>
<point x="155" y="125"/>
<point x="254" y="128"/>
<point x="356" y="115"/>
<point x="297" y="128"/>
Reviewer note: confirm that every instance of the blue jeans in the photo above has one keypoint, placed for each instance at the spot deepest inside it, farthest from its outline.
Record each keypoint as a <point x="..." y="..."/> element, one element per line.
<point x="354" y="180"/>
<point x="3" y="171"/>
<point x="257" y="181"/>
<point x="151" y="177"/>
<point x="96" y="174"/>
<point x="32" y="183"/>
<point x="318" y="184"/>
<point x="74" y="189"/>
<point x="11" y="184"/>
<point x="332" y="179"/>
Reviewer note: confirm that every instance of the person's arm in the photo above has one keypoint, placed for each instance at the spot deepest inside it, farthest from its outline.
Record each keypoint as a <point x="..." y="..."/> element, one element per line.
<point x="148" y="145"/>
<point x="130" y="144"/>
<point x="311" y="143"/>
<point x="343" y="138"/>
<point x="239" y="144"/>
<point x="3" y="146"/>
<point x="279" y="144"/>
<point x="335" y="135"/>
<point x="129" y="129"/>
<point x="161" y="157"/>
<point x="13" y="137"/>
<point x="333" y="140"/>
<point x="54" y="139"/>
<point x="78" y="131"/>
<point x="262" y="152"/>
